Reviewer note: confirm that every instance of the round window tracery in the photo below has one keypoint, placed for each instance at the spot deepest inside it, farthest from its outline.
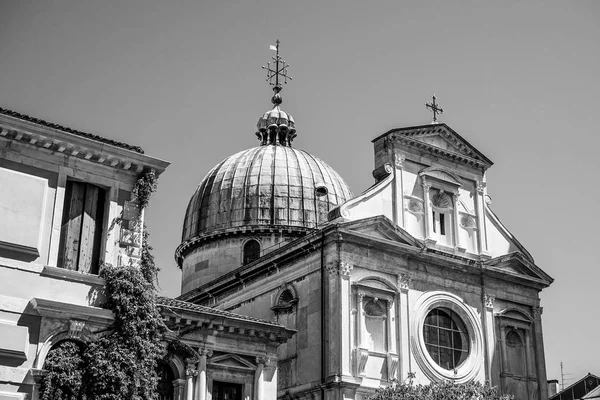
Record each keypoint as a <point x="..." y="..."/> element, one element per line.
<point x="446" y="338"/>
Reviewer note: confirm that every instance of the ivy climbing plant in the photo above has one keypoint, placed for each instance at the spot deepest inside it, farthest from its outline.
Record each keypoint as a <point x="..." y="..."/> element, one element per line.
<point x="122" y="362"/>
<point x="444" y="390"/>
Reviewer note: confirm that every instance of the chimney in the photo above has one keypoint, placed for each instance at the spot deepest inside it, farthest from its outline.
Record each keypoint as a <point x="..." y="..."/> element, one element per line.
<point x="552" y="387"/>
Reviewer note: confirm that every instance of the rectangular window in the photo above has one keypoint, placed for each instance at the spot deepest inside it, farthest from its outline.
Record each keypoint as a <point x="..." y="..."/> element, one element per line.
<point x="81" y="231"/>
<point x="226" y="391"/>
<point x="442" y="225"/>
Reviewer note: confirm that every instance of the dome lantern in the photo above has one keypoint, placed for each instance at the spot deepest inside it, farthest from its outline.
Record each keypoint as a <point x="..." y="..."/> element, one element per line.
<point x="275" y="126"/>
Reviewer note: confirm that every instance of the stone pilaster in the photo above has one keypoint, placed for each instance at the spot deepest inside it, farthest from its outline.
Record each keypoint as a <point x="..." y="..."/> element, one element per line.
<point x="190" y="374"/>
<point x="404" y="283"/>
<point x="259" y="378"/>
<point x="489" y="333"/>
<point x="540" y="360"/>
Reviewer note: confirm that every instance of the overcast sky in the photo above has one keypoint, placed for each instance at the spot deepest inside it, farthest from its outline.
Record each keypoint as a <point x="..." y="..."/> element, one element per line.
<point x="183" y="80"/>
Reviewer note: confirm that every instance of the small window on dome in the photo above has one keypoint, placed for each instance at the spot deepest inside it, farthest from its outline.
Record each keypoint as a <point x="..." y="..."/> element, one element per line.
<point x="251" y="251"/>
<point x="321" y="191"/>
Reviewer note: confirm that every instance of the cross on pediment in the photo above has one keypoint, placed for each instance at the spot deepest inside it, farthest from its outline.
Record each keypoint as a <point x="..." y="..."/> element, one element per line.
<point x="435" y="109"/>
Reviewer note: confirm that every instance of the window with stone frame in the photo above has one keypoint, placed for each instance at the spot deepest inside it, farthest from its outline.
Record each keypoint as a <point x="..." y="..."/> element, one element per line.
<point x="515" y="353"/>
<point x="81" y="229"/>
<point x="375" y="312"/>
<point x="251" y="251"/>
<point x="441" y="216"/>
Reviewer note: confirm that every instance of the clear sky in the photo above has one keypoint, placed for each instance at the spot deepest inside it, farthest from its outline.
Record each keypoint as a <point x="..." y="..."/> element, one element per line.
<point x="183" y="80"/>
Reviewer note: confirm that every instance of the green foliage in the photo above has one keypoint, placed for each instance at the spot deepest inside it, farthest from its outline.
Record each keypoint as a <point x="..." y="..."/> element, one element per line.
<point x="145" y="186"/>
<point x="444" y="390"/>
<point x="123" y="363"/>
<point x="64" y="379"/>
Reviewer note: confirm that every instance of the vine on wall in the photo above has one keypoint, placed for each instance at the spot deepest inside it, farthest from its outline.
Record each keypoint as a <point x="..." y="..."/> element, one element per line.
<point x="122" y="362"/>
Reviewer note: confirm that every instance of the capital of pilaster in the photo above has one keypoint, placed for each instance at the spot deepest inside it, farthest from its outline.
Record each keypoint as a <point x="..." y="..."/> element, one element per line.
<point x="399" y="161"/>
<point x="190" y="373"/>
<point x="481" y="186"/>
<point x="537" y="312"/>
<point x="488" y="300"/>
<point x="262" y="360"/>
<point x="404" y="281"/>
<point x="205" y="353"/>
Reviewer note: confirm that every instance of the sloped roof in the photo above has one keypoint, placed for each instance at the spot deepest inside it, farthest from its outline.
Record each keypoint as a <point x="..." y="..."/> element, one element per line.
<point x="594" y="394"/>
<point x="187" y="306"/>
<point x="569" y="391"/>
<point x="25" y="117"/>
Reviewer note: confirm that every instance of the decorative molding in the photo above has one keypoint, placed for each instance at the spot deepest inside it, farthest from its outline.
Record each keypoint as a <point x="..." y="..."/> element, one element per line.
<point x="262" y="360"/>
<point x="399" y="160"/>
<point x="392" y="365"/>
<point x="414" y="205"/>
<point x="69" y="275"/>
<point x="338" y="267"/>
<point x="488" y="300"/>
<point x="404" y="281"/>
<point x="205" y="353"/>
<point x="480" y="187"/>
<point x="361" y="356"/>
<point x="537" y="312"/>
<point x="75" y="328"/>
<point x="467" y="221"/>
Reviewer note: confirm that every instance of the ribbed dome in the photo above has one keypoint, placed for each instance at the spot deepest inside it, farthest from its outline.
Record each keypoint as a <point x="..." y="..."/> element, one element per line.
<point x="270" y="185"/>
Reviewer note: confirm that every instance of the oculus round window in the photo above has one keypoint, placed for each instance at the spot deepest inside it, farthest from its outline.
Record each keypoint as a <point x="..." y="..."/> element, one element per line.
<point x="446" y="338"/>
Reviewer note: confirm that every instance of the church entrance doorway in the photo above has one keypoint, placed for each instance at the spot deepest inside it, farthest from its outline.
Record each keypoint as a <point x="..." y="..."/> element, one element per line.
<point x="226" y="391"/>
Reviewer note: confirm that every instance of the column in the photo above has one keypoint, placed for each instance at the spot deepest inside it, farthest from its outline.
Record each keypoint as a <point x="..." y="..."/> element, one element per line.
<point x="398" y="194"/>
<point x="259" y="377"/>
<point x="489" y="329"/>
<point x="38" y="377"/>
<point x="201" y="381"/>
<point x="426" y="204"/>
<point x="59" y="201"/>
<point x="178" y="389"/>
<point x="455" y="224"/>
<point x="528" y="370"/>
<point x="404" y="281"/>
<point x="112" y="228"/>
<point x="540" y="360"/>
<point x="190" y="373"/>
<point x="481" y="231"/>
<point x="345" y="329"/>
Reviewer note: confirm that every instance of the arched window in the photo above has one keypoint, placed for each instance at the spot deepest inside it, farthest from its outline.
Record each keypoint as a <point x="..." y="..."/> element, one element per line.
<point x="251" y="251"/>
<point x="165" y="387"/>
<point x="375" y="323"/>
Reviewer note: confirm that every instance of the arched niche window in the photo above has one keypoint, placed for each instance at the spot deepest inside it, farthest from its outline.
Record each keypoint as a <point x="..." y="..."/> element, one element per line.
<point x="441" y="216"/>
<point x="164" y="387"/>
<point x="286" y="300"/>
<point x="251" y="251"/>
<point x="515" y="352"/>
<point x="375" y="311"/>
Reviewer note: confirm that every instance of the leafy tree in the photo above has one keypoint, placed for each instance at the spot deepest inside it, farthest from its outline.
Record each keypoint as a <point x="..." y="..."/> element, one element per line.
<point x="443" y="390"/>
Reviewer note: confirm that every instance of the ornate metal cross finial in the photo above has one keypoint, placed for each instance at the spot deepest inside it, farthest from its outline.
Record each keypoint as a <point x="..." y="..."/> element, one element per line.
<point x="279" y="72"/>
<point x="435" y="109"/>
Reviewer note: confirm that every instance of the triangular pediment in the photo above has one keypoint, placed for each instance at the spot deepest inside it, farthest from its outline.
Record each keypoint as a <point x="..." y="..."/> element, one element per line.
<point x="232" y="361"/>
<point x="442" y="141"/>
<point x="517" y="264"/>
<point x="382" y="228"/>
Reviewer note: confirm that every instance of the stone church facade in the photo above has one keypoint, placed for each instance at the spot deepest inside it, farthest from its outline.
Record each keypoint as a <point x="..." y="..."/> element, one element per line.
<point x="292" y="287"/>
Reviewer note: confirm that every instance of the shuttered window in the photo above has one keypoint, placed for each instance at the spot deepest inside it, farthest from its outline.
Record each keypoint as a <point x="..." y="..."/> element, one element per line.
<point x="81" y="230"/>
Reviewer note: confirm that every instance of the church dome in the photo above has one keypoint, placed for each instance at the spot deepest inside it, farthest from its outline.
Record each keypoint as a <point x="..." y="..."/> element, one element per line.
<point x="273" y="186"/>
